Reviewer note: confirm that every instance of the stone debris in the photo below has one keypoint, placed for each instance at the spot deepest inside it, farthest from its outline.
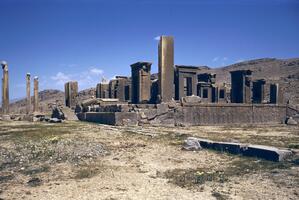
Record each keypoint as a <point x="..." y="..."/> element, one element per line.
<point x="55" y="120"/>
<point x="191" y="99"/>
<point x="33" y="182"/>
<point x="57" y="113"/>
<point x="291" y="121"/>
<point x="191" y="144"/>
<point x="259" y="151"/>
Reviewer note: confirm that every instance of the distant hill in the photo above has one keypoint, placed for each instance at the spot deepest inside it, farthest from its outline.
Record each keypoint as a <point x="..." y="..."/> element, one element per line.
<point x="284" y="71"/>
<point x="47" y="98"/>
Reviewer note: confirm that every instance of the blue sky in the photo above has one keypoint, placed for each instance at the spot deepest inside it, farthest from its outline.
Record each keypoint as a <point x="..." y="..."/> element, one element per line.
<point x="85" y="40"/>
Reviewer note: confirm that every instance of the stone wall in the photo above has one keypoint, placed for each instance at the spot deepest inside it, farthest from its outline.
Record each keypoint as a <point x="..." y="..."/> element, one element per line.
<point x="231" y="114"/>
<point x="188" y="114"/>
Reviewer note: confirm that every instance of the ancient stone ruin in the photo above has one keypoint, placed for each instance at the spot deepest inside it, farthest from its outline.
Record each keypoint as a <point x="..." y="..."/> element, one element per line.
<point x="71" y="93"/>
<point x="182" y="95"/>
<point x="5" y="92"/>
<point x="6" y="115"/>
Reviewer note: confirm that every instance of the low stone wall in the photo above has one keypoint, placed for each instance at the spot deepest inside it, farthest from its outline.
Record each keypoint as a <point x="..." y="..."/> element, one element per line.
<point x="189" y="114"/>
<point x="231" y="114"/>
<point x="111" y="118"/>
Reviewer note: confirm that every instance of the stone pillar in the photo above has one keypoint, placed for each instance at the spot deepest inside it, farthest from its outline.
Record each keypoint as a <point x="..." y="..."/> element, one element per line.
<point x="120" y="88"/>
<point x="112" y="90"/>
<point x="102" y="90"/>
<point x="5" y="89"/>
<point x="35" y="93"/>
<point x="166" y="68"/>
<point x="28" y="99"/>
<point x="71" y="93"/>
<point x="241" y="86"/>
<point x="141" y="82"/>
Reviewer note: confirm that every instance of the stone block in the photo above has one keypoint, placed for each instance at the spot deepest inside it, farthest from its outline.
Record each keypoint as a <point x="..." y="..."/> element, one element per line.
<point x="291" y="121"/>
<point x="126" y="118"/>
<point x="6" y="118"/>
<point x="162" y="108"/>
<point x="191" y="99"/>
<point x="259" y="151"/>
<point x="191" y="144"/>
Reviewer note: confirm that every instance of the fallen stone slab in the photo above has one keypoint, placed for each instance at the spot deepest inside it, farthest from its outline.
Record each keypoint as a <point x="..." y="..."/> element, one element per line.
<point x="191" y="144"/>
<point x="259" y="151"/>
<point x="55" y="120"/>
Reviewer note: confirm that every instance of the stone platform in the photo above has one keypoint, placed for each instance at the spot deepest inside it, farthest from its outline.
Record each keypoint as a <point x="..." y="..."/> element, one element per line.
<point x="177" y="114"/>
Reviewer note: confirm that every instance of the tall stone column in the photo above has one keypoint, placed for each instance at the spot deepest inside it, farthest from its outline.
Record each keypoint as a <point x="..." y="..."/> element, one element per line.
<point x="166" y="68"/>
<point x="28" y="100"/>
<point x="35" y="93"/>
<point x="5" y="89"/>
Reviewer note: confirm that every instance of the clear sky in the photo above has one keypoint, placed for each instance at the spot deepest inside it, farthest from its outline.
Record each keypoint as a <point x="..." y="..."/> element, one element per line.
<point x="85" y="40"/>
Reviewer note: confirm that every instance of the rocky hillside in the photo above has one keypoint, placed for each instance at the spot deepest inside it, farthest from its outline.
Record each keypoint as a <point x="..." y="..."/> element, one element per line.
<point x="47" y="98"/>
<point x="286" y="72"/>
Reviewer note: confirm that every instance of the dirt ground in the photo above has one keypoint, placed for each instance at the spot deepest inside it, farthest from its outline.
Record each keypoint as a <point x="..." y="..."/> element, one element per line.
<point x="79" y="160"/>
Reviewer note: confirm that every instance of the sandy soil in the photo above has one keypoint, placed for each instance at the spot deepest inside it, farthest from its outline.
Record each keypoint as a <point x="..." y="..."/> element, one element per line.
<point x="140" y="163"/>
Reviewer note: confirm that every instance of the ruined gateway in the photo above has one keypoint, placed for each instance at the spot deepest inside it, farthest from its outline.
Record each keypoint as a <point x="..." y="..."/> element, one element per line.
<point x="180" y="95"/>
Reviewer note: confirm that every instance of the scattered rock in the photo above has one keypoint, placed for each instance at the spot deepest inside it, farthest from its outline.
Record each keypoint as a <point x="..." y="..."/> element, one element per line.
<point x="33" y="182"/>
<point x="291" y="121"/>
<point x="191" y="144"/>
<point x="191" y="99"/>
<point x="57" y="113"/>
<point x="55" y="120"/>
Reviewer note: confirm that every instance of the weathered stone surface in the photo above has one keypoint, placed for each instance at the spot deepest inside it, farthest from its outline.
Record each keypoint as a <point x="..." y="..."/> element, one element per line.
<point x="166" y="68"/>
<point x="259" y="151"/>
<point x="55" y="120"/>
<point x="126" y="119"/>
<point x="191" y="99"/>
<point x="191" y="144"/>
<point x="111" y="118"/>
<point x="141" y="82"/>
<point x="69" y="114"/>
<point x="28" y="97"/>
<point x="5" y="90"/>
<point x="35" y="95"/>
<point x="291" y="121"/>
<point x="57" y="113"/>
<point x="162" y="108"/>
<point x="6" y="118"/>
<point x="78" y="109"/>
<point x="71" y="93"/>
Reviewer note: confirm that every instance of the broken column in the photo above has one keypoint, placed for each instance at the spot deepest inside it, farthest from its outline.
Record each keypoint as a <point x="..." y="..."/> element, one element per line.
<point x="71" y="93"/>
<point x="5" y="89"/>
<point x="141" y="82"/>
<point x="35" y="95"/>
<point x="28" y="97"/>
<point x="241" y="85"/>
<point x="166" y="69"/>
